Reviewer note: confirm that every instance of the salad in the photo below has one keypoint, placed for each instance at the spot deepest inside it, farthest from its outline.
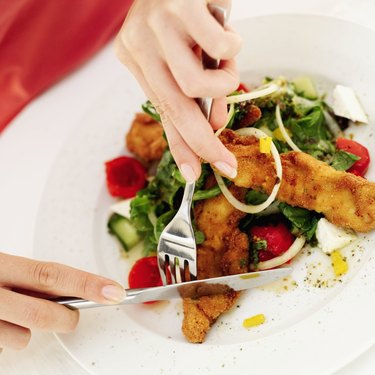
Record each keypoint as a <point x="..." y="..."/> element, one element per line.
<point x="292" y="150"/>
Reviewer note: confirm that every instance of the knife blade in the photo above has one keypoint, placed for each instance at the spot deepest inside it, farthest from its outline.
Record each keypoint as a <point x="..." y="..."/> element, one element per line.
<point x="191" y="289"/>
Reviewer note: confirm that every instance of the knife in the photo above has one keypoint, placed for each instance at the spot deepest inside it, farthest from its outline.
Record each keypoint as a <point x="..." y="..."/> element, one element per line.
<point x="191" y="289"/>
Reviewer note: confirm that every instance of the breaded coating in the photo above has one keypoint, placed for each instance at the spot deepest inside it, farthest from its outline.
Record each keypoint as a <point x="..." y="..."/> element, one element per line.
<point x="343" y="198"/>
<point x="235" y="259"/>
<point x="219" y="255"/>
<point x="217" y="219"/>
<point x="252" y="115"/>
<point x="201" y="314"/>
<point x="145" y="138"/>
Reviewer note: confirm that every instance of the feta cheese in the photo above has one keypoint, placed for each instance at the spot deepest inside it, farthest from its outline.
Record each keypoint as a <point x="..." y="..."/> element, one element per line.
<point x="122" y="208"/>
<point x="331" y="237"/>
<point x="346" y="104"/>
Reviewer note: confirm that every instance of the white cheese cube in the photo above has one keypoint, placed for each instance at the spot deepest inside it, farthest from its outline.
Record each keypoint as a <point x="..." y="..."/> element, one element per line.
<point x="331" y="237"/>
<point x="346" y="104"/>
<point x="122" y="208"/>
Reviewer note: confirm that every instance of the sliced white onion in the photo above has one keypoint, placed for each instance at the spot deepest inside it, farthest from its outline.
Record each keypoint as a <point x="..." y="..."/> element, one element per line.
<point x="296" y="247"/>
<point x="250" y="208"/>
<point x="283" y="130"/>
<point x="268" y="90"/>
<point x="229" y="118"/>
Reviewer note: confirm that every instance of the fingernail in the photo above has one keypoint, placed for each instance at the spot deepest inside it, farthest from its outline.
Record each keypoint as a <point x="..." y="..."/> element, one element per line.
<point x="188" y="173"/>
<point x="113" y="293"/>
<point x="226" y="169"/>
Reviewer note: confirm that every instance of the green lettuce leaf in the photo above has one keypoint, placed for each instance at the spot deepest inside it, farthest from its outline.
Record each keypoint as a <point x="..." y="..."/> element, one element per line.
<point x="304" y="222"/>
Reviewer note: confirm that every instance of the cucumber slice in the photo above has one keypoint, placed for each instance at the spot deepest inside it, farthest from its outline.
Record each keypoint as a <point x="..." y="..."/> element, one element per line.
<point x="305" y="86"/>
<point x="124" y="230"/>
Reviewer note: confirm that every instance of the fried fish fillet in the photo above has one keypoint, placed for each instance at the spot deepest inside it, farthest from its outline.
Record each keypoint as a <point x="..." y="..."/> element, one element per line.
<point x="200" y="314"/>
<point x="224" y="251"/>
<point x="343" y="198"/>
<point x="145" y="138"/>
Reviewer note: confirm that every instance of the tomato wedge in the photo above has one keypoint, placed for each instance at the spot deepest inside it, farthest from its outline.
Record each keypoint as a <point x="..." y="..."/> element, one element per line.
<point x="125" y="176"/>
<point x="360" y="167"/>
<point x="278" y="239"/>
<point x="145" y="273"/>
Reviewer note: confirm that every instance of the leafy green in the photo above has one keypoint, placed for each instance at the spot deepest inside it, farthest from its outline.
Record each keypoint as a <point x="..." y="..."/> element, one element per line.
<point x="159" y="200"/>
<point x="304" y="222"/>
<point x="281" y="146"/>
<point x="268" y="120"/>
<point x="254" y="255"/>
<point x="140" y="207"/>
<point x="149" y="108"/>
<point x="154" y="207"/>
<point x="260" y="245"/>
<point x="311" y="128"/>
<point x="199" y="237"/>
<point x="206" y="194"/>
<point x="240" y="110"/>
<point x="255" y="197"/>
<point x="162" y="221"/>
<point x="343" y="160"/>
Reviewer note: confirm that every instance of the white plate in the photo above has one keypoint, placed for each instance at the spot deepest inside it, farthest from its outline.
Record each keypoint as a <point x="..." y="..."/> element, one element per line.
<point x="309" y="330"/>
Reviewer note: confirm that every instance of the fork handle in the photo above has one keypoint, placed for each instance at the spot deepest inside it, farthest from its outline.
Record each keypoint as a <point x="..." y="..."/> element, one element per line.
<point x="208" y="62"/>
<point x="187" y="198"/>
<point x="188" y="192"/>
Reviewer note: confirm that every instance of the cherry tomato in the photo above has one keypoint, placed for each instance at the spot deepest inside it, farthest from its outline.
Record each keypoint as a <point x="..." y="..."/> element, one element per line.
<point x="278" y="238"/>
<point x="125" y="176"/>
<point x="360" y="167"/>
<point x="145" y="273"/>
<point x="242" y="87"/>
<point x="264" y="255"/>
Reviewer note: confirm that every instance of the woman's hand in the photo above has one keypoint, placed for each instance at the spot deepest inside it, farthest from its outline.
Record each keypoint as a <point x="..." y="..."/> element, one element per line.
<point x="23" y="281"/>
<point x="158" y="43"/>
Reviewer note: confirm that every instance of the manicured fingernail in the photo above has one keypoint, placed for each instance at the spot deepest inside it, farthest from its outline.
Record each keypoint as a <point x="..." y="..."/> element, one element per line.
<point x="188" y="173"/>
<point x="113" y="293"/>
<point x="226" y="169"/>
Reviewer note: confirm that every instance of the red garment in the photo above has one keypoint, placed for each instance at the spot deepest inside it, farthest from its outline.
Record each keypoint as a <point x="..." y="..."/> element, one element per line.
<point x="42" y="40"/>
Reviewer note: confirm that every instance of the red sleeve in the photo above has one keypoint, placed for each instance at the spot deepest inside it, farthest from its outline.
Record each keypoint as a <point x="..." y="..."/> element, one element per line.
<point x="43" y="40"/>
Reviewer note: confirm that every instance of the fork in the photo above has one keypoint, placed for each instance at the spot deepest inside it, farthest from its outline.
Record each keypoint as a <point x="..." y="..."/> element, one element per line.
<point x="177" y="249"/>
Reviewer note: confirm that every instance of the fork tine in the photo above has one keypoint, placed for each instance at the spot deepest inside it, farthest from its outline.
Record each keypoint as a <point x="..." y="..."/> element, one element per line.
<point x="192" y="268"/>
<point x="162" y="268"/>
<point x="172" y="267"/>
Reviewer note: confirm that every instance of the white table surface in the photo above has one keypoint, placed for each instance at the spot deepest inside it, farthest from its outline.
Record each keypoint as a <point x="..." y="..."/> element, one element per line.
<point x="29" y="146"/>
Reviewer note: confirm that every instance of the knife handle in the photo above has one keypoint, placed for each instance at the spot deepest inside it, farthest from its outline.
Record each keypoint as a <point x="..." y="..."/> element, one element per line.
<point x="221" y="15"/>
<point x="74" y="303"/>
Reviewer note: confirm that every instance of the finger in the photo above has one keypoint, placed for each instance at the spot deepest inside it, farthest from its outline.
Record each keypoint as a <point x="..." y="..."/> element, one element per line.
<point x="226" y="4"/>
<point x="187" y="69"/>
<point x="34" y="313"/>
<point x="219" y="109"/>
<point x="125" y="57"/>
<point x="219" y="113"/>
<point x="57" y="279"/>
<point x="216" y="41"/>
<point x="13" y="336"/>
<point x="186" y="160"/>
<point x="183" y="154"/>
<point x="188" y="119"/>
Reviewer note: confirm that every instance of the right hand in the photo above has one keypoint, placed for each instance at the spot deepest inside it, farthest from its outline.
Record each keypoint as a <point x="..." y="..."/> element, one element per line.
<point x="158" y="44"/>
<point x="24" y="285"/>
